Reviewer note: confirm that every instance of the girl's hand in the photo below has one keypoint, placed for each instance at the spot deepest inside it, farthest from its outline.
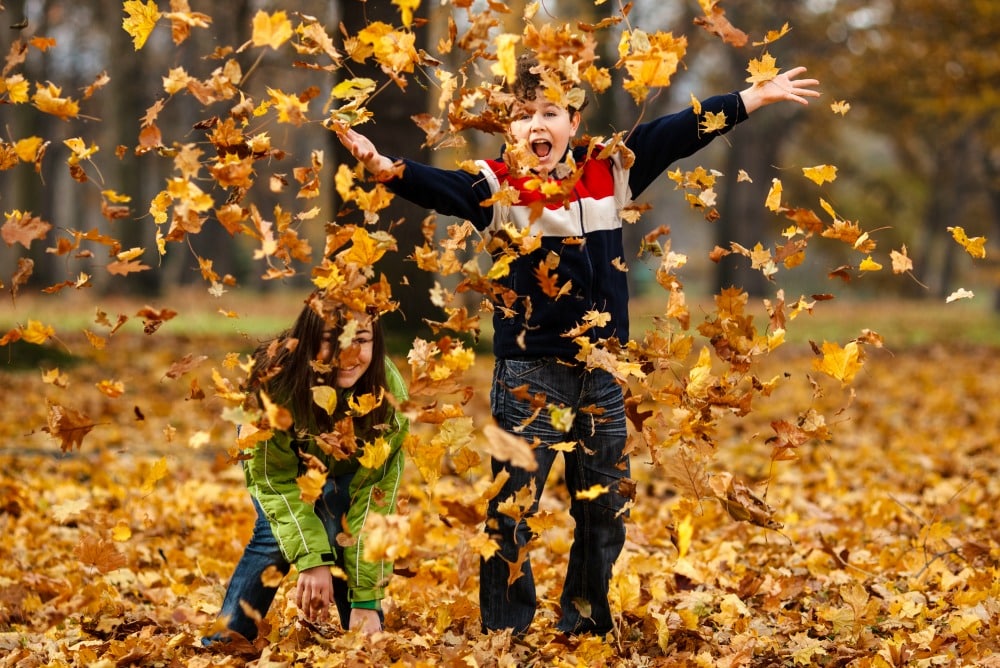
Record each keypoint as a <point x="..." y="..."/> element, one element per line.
<point x="784" y="87"/>
<point x="314" y="593"/>
<point x="366" y="621"/>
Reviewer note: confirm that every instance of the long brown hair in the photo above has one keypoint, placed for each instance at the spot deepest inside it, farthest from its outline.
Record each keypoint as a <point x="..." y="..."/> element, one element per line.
<point x="285" y="368"/>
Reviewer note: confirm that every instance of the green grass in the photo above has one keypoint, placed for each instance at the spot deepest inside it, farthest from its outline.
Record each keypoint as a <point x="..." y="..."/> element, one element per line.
<point x="240" y="314"/>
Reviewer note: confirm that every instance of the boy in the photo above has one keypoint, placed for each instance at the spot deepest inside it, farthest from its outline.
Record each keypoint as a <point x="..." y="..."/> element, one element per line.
<point x="581" y="245"/>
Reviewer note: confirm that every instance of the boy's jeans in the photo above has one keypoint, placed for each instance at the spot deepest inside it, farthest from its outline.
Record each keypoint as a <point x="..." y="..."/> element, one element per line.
<point x="262" y="551"/>
<point x="599" y="430"/>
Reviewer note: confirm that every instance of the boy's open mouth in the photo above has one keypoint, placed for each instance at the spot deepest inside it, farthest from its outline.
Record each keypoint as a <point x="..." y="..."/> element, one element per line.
<point x="541" y="148"/>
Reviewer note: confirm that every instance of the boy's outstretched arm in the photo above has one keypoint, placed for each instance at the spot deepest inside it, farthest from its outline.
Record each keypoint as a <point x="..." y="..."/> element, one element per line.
<point x="362" y="148"/>
<point x="785" y="86"/>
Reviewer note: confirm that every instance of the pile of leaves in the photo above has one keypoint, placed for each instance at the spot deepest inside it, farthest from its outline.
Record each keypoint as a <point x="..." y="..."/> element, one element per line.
<point x="118" y="553"/>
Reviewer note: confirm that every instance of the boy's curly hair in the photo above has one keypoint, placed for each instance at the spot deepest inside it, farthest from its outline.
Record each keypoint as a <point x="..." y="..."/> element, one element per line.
<point x="527" y="81"/>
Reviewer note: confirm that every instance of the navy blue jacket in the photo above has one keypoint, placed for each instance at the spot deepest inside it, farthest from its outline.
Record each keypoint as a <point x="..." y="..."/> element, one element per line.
<point x="536" y="305"/>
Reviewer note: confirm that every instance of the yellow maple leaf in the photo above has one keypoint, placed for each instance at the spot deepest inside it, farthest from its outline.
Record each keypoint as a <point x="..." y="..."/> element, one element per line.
<point x="774" y="35"/>
<point x="868" y="264"/>
<point x="16" y="88"/>
<point x="48" y="100"/>
<point x="820" y="174"/>
<point x="763" y="70"/>
<point x="271" y="30"/>
<point x="700" y="377"/>
<point x="156" y="472"/>
<point x="37" y="332"/>
<point x="841" y="107"/>
<point x="291" y="108"/>
<point x="840" y="363"/>
<point x="974" y="246"/>
<point x="366" y="403"/>
<point x="140" y="21"/>
<point x="713" y="122"/>
<point x="375" y="454"/>
<point x="506" y="65"/>
<point x="121" y="532"/>
<point x="365" y="250"/>
<point x="773" y="201"/>
<point x="311" y="484"/>
<point x="650" y="60"/>
<point x="500" y="268"/>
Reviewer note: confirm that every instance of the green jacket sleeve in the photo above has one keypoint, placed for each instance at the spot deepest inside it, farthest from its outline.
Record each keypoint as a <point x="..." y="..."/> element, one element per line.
<point x="270" y="478"/>
<point x="375" y="491"/>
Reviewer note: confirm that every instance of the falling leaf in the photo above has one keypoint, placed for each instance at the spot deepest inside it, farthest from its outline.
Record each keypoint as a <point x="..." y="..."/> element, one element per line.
<point x="961" y="293"/>
<point x="841" y="107"/>
<point x="840" y="363"/>
<point x="901" y="262"/>
<point x="140" y="21"/>
<point x="23" y="228"/>
<point x="157" y="472"/>
<point x="271" y="30"/>
<point x="762" y="70"/>
<point x="820" y="174"/>
<point x="325" y="397"/>
<point x="773" y="201"/>
<point x="868" y="264"/>
<point x="375" y="453"/>
<point x="592" y="492"/>
<point x="975" y="246"/>
<point x="506" y="447"/>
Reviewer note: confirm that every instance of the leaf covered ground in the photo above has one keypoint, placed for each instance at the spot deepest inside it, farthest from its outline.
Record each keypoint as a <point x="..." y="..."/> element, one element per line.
<point x="117" y="552"/>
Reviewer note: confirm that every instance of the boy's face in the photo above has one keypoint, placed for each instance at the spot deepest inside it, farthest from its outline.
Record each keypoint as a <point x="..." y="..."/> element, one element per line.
<point x="546" y="128"/>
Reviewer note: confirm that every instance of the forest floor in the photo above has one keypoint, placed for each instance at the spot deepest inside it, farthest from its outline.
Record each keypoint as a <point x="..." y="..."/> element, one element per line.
<point x="117" y="549"/>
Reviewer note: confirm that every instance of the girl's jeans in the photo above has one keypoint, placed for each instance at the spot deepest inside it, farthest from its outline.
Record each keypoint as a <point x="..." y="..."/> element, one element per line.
<point x="599" y="432"/>
<point x="262" y="551"/>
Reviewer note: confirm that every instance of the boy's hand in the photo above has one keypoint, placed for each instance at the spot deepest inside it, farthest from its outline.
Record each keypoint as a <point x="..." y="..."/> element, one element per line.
<point x="364" y="150"/>
<point x="784" y="87"/>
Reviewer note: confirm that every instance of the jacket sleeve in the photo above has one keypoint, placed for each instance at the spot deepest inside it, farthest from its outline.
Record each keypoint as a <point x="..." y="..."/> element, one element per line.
<point x="449" y="192"/>
<point x="375" y="490"/>
<point x="667" y="139"/>
<point x="270" y="475"/>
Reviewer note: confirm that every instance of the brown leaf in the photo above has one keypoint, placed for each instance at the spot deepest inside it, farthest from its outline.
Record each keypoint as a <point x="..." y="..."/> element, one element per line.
<point x="99" y="553"/>
<point x="23" y="228"/>
<point x="183" y="365"/>
<point x="68" y="425"/>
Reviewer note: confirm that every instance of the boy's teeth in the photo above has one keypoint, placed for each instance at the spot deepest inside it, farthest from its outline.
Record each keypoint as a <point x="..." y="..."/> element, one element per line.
<point x="541" y="148"/>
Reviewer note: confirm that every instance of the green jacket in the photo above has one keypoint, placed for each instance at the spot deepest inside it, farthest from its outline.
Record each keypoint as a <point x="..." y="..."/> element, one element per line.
<point x="270" y="477"/>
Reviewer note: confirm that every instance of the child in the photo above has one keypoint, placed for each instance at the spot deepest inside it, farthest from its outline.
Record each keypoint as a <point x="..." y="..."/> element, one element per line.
<point x="581" y="248"/>
<point x="346" y="351"/>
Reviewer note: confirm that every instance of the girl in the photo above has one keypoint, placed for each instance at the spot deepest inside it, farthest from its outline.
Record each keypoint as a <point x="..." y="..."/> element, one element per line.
<point x="343" y="353"/>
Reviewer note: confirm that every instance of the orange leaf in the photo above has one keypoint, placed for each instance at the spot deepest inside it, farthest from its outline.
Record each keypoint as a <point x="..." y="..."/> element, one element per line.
<point x="840" y="363"/>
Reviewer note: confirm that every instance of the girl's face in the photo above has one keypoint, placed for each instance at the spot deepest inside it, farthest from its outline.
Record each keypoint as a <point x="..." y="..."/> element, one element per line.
<point x="546" y="127"/>
<point x="355" y="358"/>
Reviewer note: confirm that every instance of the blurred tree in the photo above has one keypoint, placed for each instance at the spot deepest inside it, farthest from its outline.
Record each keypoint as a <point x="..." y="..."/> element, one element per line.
<point x="925" y="73"/>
